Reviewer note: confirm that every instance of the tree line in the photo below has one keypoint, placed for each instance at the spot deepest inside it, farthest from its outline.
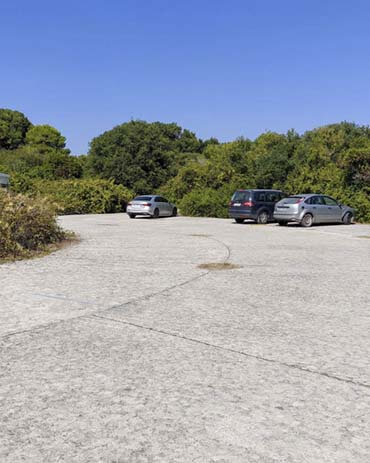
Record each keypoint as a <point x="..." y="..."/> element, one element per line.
<point x="198" y="175"/>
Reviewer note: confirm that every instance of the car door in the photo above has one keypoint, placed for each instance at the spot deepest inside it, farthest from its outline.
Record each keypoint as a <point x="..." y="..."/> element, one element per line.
<point x="159" y="205"/>
<point x="259" y="202"/>
<point x="167" y="208"/>
<point x="272" y="197"/>
<point x="317" y="208"/>
<point x="333" y="210"/>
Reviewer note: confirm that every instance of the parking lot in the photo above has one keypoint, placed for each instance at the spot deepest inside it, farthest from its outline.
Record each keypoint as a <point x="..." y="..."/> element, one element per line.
<point x="128" y="347"/>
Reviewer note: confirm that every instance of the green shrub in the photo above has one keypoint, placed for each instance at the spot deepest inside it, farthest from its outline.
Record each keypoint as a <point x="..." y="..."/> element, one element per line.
<point x="360" y="201"/>
<point x="205" y="203"/>
<point x="26" y="225"/>
<point x="84" y="196"/>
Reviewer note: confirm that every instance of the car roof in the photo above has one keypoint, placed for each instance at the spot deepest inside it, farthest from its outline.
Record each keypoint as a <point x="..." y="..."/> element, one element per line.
<point x="146" y="194"/>
<point x="257" y="189"/>
<point x="307" y="195"/>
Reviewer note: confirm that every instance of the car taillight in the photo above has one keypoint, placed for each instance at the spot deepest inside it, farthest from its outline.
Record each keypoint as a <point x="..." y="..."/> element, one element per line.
<point x="299" y="200"/>
<point x="129" y="204"/>
<point x="147" y="204"/>
<point x="248" y="203"/>
<point x="230" y="203"/>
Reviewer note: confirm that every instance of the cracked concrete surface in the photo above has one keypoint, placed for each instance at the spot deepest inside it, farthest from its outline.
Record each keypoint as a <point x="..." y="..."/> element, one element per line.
<point x="120" y="349"/>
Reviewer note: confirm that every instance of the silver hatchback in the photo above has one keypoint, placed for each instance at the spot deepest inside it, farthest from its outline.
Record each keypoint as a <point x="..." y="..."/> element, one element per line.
<point x="308" y="209"/>
<point x="151" y="205"/>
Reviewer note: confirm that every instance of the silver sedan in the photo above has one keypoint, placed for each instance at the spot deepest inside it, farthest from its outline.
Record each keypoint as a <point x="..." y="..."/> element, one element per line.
<point x="308" y="209"/>
<point x="151" y="205"/>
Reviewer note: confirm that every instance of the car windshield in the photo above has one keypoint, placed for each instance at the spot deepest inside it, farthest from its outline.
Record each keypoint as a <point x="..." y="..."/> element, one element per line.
<point x="241" y="196"/>
<point x="143" y="198"/>
<point x="292" y="199"/>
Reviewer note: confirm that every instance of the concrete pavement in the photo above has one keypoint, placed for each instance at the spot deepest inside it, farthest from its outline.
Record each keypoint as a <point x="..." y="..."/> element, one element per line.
<point x="121" y="349"/>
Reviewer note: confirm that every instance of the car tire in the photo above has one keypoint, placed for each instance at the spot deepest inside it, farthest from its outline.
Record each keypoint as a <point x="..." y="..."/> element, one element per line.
<point x="282" y="223"/>
<point x="156" y="213"/>
<point x="263" y="218"/>
<point x="132" y="216"/>
<point x="239" y="220"/>
<point x="348" y="218"/>
<point x="307" y="221"/>
<point x="174" y="212"/>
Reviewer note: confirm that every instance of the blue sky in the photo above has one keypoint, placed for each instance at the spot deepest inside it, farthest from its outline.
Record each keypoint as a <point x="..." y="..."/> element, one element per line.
<point x="222" y="68"/>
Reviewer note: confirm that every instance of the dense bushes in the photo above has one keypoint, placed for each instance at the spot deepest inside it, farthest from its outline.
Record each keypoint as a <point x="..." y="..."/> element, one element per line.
<point x="84" y="196"/>
<point x="205" y="203"/>
<point x="27" y="225"/>
<point x="333" y="160"/>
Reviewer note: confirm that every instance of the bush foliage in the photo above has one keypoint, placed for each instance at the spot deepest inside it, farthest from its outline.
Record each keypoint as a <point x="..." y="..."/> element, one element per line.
<point x="84" y="196"/>
<point x="333" y="160"/>
<point x="141" y="155"/>
<point x="27" y="225"/>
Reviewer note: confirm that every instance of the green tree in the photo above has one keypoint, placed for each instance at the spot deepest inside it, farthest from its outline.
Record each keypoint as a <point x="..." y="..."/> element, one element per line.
<point x="45" y="138"/>
<point x="140" y="155"/>
<point x="13" y="129"/>
<point x="271" y="154"/>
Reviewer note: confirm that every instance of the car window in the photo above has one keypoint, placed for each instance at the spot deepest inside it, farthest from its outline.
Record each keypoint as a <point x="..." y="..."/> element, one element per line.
<point x="164" y="200"/>
<point x="292" y="199"/>
<point x="143" y="198"/>
<point x="260" y="196"/>
<point x="157" y="200"/>
<point x="314" y="200"/>
<point x="272" y="196"/>
<point x="330" y="201"/>
<point x="241" y="196"/>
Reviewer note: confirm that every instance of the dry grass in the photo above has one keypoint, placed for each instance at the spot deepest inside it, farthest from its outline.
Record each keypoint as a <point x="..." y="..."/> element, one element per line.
<point x="364" y="236"/>
<point x="218" y="266"/>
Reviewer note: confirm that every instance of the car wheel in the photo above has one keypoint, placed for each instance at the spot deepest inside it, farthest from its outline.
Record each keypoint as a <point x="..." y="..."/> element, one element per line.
<point x="307" y="221"/>
<point x="132" y="216"/>
<point x="239" y="220"/>
<point x="156" y="213"/>
<point x="282" y="223"/>
<point x="174" y="212"/>
<point x="348" y="218"/>
<point x="263" y="218"/>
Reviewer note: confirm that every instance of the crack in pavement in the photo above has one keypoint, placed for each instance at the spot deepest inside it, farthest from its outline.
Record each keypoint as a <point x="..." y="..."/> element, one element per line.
<point x="234" y="351"/>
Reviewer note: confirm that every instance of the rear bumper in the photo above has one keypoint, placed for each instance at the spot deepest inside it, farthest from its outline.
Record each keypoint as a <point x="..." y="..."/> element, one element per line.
<point x="131" y="210"/>
<point x="286" y="217"/>
<point x="235" y="214"/>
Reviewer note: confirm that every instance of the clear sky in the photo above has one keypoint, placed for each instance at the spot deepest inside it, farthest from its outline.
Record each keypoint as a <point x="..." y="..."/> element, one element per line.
<point x="222" y="68"/>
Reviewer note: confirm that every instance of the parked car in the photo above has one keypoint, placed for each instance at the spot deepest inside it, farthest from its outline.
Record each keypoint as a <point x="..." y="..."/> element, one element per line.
<point x="308" y="209"/>
<point x="4" y="181"/>
<point x="151" y="205"/>
<point x="257" y="205"/>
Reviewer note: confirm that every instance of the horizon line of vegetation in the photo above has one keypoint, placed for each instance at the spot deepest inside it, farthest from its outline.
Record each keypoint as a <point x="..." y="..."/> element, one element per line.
<point x="200" y="176"/>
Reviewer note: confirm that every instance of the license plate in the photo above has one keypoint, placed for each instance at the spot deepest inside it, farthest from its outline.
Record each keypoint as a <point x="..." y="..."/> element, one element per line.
<point x="237" y="204"/>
